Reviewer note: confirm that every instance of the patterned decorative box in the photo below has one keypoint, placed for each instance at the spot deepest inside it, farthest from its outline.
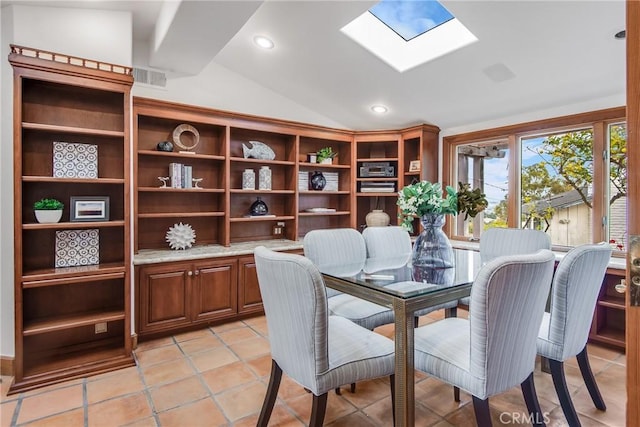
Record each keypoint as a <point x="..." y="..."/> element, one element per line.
<point x="75" y="160"/>
<point x="77" y="247"/>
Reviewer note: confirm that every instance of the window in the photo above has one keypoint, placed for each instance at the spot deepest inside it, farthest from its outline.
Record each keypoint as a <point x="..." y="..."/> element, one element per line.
<point x="410" y="19"/>
<point x="616" y="197"/>
<point x="567" y="176"/>
<point x="556" y="186"/>
<point x="484" y="165"/>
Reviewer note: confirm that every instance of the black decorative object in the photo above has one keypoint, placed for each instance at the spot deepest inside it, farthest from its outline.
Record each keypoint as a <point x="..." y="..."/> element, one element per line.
<point x="164" y="146"/>
<point x="259" y="207"/>
<point x="317" y="181"/>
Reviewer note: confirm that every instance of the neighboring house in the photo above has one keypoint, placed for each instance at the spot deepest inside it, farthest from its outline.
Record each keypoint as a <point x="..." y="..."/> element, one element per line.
<point x="570" y="224"/>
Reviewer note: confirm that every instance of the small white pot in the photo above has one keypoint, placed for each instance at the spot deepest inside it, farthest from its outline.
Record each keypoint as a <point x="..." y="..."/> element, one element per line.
<point x="327" y="161"/>
<point x="48" y="216"/>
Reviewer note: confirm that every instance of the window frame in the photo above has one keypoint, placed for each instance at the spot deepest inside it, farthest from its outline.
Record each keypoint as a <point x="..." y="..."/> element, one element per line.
<point x="598" y="121"/>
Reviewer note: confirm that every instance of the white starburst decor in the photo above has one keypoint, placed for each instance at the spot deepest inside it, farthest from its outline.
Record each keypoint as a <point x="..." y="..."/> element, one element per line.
<point x="181" y="236"/>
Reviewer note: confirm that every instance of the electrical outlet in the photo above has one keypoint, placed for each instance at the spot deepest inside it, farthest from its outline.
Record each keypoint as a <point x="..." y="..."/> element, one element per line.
<point x="101" y="328"/>
<point x="280" y="223"/>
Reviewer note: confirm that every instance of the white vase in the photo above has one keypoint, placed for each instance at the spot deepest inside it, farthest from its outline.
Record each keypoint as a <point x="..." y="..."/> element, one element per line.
<point x="248" y="179"/>
<point x="377" y="218"/>
<point x="48" y="216"/>
<point x="264" y="178"/>
<point x="328" y="161"/>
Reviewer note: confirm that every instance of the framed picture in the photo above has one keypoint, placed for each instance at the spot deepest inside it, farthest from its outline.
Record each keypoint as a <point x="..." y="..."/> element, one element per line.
<point x="414" y="166"/>
<point x="89" y="208"/>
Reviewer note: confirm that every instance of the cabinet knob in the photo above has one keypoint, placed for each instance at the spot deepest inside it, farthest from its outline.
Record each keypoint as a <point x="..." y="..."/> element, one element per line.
<point x="197" y="272"/>
<point x="189" y="273"/>
<point x="621" y="287"/>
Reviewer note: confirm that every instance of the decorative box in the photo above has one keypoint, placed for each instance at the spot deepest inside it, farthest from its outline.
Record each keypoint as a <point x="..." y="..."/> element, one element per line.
<point x="75" y="160"/>
<point x="77" y="247"/>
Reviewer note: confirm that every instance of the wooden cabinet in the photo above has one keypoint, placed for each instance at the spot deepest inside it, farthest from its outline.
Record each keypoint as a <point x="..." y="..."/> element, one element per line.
<point x="330" y="207"/>
<point x="608" y="325"/>
<point x="181" y="294"/>
<point x="389" y="155"/>
<point x="158" y="207"/>
<point x="71" y="138"/>
<point x="249" y="298"/>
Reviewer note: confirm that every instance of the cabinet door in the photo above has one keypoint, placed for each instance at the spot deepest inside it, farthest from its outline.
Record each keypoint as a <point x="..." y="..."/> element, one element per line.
<point x="215" y="290"/>
<point x="249" y="298"/>
<point x="164" y="297"/>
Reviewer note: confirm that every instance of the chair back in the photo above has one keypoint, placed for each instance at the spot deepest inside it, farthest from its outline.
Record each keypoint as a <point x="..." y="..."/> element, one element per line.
<point x="507" y="304"/>
<point x="497" y="242"/>
<point x="575" y="289"/>
<point x="295" y="305"/>
<point x="387" y="247"/>
<point x="338" y="251"/>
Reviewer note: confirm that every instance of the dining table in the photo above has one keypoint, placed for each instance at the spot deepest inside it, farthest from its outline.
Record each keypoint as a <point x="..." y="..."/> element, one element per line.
<point x="395" y="288"/>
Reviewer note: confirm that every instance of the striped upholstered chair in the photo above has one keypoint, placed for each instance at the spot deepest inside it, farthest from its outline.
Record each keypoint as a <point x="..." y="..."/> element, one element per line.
<point x="497" y="242"/>
<point x="565" y="329"/>
<point x="495" y="349"/>
<point x="387" y="247"/>
<point x="318" y="351"/>
<point x="390" y="247"/>
<point x="342" y="252"/>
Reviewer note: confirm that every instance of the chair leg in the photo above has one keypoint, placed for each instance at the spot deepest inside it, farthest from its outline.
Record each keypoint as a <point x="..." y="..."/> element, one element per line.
<point x="589" y="380"/>
<point x="481" y="409"/>
<point x="317" y="410"/>
<point x="560" y="384"/>
<point x="392" y="382"/>
<point x="272" y="393"/>
<point x="338" y="392"/>
<point x="451" y="312"/>
<point x="531" y="399"/>
<point x="456" y="393"/>
<point x="353" y="387"/>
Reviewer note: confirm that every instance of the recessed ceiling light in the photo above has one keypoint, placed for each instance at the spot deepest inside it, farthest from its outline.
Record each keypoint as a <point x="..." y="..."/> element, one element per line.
<point x="380" y="109"/>
<point x="620" y="35"/>
<point x="263" y="42"/>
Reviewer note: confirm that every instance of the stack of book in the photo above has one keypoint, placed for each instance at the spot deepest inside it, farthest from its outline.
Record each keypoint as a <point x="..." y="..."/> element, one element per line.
<point x="181" y="175"/>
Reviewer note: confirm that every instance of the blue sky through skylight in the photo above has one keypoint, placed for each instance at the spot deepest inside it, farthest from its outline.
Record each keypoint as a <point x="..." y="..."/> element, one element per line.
<point x="410" y="18"/>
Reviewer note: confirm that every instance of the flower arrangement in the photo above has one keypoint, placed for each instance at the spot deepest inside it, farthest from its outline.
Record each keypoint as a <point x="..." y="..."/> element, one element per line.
<point x="424" y="197"/>
<point x="48" y="205"/>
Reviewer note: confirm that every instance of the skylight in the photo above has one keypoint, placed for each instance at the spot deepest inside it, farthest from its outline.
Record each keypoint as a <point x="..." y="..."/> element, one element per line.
<point x="411" y="18"/>
<point x="405" y="33"/>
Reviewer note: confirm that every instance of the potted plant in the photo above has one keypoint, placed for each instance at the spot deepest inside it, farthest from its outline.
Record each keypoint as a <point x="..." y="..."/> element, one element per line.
<point x="48" y="210"/>
<point x="325" y="155"/>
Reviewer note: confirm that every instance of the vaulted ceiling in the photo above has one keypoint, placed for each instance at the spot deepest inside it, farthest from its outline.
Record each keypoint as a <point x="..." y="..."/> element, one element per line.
<point x="531" y="55"/>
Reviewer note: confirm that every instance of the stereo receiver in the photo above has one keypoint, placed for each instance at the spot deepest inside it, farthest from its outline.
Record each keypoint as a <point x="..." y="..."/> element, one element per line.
<point x="377" y="169"/>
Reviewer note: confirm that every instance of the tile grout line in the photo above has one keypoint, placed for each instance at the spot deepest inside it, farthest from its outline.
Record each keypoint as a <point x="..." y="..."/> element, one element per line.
<point x="16" y="411"/>
<point x="147" y="391"/>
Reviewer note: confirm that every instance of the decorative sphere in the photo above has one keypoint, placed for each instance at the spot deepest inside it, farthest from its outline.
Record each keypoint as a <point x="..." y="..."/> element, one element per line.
<point x="180" y="236"/>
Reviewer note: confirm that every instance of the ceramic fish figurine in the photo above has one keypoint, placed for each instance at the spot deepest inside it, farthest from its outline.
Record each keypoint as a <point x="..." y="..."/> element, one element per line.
<point x="258" y="150"/>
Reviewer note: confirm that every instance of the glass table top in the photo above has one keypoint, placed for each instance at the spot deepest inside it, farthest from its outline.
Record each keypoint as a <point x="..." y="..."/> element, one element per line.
<point x="398" y="282"/>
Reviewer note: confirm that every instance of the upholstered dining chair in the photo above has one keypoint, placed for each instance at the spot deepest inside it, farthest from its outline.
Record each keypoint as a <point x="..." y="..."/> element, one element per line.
<point x="342" y="252"/>
<point x="390" y="247"/>
<point x="318" y="351"/>
<point x="498" y="241"/>
<point x="387" y="247"/>
<point x="495" y="349"/>
<point x="565" y="329"/>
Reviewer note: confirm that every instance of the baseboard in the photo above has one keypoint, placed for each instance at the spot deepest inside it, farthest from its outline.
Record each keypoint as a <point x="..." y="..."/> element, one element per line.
<point x="6" y="365"/>
<point x="134" y="341"/>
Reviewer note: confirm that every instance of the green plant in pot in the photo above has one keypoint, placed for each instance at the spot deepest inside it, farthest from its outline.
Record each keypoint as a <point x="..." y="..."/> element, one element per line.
<point x="48" y="210"/>
<point x="325" y="155"/>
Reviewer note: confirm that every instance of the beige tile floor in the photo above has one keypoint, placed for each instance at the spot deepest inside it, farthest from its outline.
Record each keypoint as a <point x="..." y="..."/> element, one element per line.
<point x="218" y="377"/>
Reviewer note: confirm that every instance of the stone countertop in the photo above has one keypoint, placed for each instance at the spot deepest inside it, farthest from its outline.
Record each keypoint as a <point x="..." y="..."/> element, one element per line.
<point x="154" y="256"/>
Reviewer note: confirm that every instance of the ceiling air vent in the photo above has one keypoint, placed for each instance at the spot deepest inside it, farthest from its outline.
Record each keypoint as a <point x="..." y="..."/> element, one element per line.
<point x="149" y="77"/>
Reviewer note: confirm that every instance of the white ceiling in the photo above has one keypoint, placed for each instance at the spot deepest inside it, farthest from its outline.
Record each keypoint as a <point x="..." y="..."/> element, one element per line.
<point x="559" y="53"/>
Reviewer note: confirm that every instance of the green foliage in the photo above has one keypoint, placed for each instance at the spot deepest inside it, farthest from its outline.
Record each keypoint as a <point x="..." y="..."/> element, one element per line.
<point x="325" y="153"/>
<point x="470" y="202"/>
<point x="424" y="197"/>
<point x="48" y="205"/>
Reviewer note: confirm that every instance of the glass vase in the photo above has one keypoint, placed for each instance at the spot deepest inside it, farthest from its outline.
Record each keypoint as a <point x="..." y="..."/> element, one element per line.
<point x="432" y="252"/>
